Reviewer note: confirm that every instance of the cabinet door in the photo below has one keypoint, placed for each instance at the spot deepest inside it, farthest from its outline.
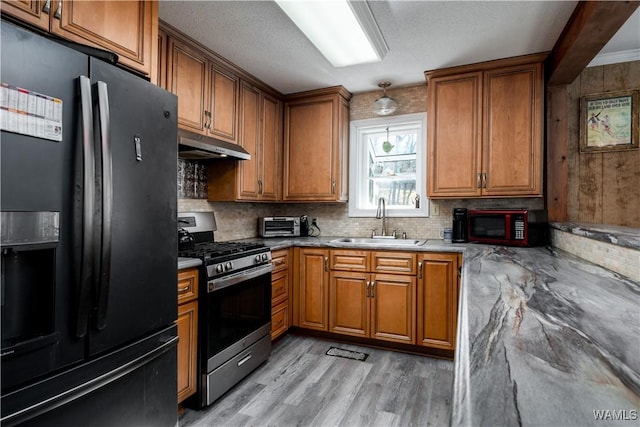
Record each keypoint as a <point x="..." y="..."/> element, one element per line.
<point x="454" y="135"/>
<point x="270" y="166"/>
<point x="35" y="12"/>
<point x="349" y="303"/>
<point x="128" y="28"/>
<point x="249" y="139"/>
<point x="187" y="323"/>
<point x="309" y="151"/>
<point x="313" y="289"/>
<point x="187" y="77"/>
<point x="393" y="299"/>
<point x="224" y="104"/>
<point x="438" y="300"/>
<point x="512" y="147"/>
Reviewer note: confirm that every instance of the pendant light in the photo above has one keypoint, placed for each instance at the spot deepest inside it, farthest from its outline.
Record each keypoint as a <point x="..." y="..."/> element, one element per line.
<point x="384" y="105"/>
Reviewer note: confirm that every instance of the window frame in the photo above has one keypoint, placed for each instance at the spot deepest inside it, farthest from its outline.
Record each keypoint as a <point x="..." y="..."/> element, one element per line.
<point x="359" y="166"/>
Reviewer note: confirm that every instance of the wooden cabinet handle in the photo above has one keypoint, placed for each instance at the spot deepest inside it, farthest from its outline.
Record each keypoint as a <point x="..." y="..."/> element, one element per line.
<point x="333" y="187"/>
<point x="326" y="263"/>
<point x="367" y="288"/>
<point x="183" y="290"/>
<point x="373" y="289"/>
<point x="47" y="7"/>
<point x="280" y="289"/>
<point x="277" y="261"/>
<point x="420" y="270"/>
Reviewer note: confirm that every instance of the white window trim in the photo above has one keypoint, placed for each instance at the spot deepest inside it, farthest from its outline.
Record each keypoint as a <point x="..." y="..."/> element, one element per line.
<point x="356" y="165"/>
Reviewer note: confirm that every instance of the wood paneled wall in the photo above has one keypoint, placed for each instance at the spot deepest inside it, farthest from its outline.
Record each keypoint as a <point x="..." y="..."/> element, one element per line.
<point x="601" y="188"/>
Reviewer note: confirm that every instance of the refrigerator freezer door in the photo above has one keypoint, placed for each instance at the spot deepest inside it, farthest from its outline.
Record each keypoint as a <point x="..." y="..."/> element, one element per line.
<point x="37" y="175"/>
<point x="140" y="293"/>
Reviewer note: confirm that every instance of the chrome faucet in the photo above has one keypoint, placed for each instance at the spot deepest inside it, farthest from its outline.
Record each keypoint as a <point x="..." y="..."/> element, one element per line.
<point x="381" y="213"/>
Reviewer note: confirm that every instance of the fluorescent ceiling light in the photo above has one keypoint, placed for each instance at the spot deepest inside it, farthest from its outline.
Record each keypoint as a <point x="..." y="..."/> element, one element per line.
<point x="345" y="32"/>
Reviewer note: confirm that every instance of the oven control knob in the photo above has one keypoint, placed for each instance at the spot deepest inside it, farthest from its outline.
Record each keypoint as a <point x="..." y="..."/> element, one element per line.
<point x="228" y="266"/>
<point x="219" y="268"/>
<point x="264" y="257"/>
<point x="258" y="258"/>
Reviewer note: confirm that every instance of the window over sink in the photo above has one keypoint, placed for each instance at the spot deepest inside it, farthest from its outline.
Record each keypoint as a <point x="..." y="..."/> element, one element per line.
<point x="387" y="159"/>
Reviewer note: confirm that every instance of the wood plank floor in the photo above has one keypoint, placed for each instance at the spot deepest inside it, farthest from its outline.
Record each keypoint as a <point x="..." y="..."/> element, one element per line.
<point x="300" y="385"/>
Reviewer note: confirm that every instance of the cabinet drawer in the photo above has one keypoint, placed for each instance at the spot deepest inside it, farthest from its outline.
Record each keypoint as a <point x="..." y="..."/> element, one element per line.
<point x="279" y="320"/>
<point x="279" y="287"/>
<point x="187" y="285"/>
<point x="280" y="260"/>
<point x="349" y="260"/>
<point x="393" y="262"/>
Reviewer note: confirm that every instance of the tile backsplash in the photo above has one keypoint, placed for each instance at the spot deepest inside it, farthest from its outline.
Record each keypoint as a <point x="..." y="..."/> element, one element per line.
<point x="239" y="220"/>
<point x="192" y="179"/>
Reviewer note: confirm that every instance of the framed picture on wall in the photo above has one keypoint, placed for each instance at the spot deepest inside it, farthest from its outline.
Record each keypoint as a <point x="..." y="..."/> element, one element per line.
<point x="609" y="121"/>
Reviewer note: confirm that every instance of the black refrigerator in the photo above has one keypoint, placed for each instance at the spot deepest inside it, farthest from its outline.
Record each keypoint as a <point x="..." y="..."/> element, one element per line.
<point x="88" y="237"/>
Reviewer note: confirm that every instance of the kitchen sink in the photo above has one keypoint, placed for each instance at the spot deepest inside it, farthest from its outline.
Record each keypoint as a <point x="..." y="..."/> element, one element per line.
<point x="373" y="241"/>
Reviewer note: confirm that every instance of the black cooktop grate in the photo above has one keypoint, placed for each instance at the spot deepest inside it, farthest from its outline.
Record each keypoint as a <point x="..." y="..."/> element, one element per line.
<point x="216" y="249"/>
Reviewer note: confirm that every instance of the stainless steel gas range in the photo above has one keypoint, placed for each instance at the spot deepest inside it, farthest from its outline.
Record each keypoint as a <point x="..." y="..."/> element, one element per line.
<point x="234" y="305"/>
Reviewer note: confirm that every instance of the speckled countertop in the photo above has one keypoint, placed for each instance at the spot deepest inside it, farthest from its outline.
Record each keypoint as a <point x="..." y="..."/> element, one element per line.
<point x="544" y="338"/>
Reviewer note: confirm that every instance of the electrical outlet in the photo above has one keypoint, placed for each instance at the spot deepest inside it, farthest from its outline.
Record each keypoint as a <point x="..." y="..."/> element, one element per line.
<point x="435" y="209"/>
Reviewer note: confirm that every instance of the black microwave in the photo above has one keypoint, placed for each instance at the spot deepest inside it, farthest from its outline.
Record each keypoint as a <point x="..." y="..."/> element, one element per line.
<point x="512" y="227"/>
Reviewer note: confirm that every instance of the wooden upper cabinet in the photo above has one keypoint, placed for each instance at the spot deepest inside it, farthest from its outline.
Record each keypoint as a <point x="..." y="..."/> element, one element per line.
<point x="454" y="135"/>
<point x="187" y="72"/>
<point x="250" y="140"/>
<point x="207" y="92"/>
<point x="316" y="137"/>
<point x="513" y="131"/>
<point x="260" y="133"/>
<point x="127" y="28"/>
<point x="223" y="104"/>
<point x="36" y="12"/>
<point x="270" y="166"/>
<point x="485" y="129"/>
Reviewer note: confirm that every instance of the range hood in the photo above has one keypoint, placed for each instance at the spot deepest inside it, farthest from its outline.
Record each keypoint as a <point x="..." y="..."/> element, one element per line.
<point x="192" y="146"/>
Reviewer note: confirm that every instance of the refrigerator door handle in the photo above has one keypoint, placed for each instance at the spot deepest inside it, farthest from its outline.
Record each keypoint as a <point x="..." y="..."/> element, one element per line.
<point x="88" y="207"/>
<point x="107" y="205"/>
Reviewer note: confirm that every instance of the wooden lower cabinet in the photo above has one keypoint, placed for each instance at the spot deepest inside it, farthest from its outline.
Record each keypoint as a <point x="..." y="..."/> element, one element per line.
<point x="312" y="291"/>
<point x="187" y="345"/>
<point x="438" y="284"/>
<point x="280" y="291"/>
<point x="372" y="306"/>
<point x="187" y="324"/>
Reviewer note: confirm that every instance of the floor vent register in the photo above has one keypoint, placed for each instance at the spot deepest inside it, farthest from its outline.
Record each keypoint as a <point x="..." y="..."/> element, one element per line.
<point x="347" y="354"/>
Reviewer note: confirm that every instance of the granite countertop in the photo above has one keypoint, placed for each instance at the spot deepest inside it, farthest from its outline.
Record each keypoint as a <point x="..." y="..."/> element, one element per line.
<point x="544" y="338"/>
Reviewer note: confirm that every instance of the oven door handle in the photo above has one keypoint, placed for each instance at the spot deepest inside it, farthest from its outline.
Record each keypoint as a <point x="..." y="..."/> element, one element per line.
<point x="241" y="276"/>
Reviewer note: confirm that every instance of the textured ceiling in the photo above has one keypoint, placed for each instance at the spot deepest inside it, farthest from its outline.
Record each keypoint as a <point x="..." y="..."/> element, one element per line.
<point x="422" y="35"/>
